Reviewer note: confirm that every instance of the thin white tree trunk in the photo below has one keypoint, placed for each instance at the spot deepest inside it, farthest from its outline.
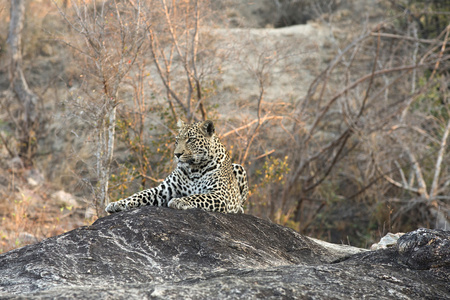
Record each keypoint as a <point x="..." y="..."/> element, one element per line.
<point x="20" y="85"/>
<point x="437" y="168"/>
<point x="108" y="155"/>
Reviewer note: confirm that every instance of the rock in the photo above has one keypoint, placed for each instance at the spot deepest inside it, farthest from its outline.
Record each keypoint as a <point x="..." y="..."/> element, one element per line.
<point x="90" y="212"/>
<point x="156" y="252"/>
<point x="34" y="177"/>
<point x="64" y="199"/>
<point x="343" y="250"/>
<point x="424" y="249"/>
<point x="389" y="240"/>
<point x="27" y="238"/>
<point x="16" y="164"/>
<point x="47" y="50"/>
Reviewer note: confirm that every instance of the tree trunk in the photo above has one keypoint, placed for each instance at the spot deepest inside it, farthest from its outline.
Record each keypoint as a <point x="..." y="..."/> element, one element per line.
<point x="19" y="85"/>
<point x="105" y="154"/>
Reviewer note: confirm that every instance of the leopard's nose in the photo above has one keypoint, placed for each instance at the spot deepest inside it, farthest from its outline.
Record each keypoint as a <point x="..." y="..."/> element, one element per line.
<point x="178" y="155"/>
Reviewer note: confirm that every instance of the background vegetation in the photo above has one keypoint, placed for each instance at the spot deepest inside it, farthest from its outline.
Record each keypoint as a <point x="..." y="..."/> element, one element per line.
<point x="91" y="90"/>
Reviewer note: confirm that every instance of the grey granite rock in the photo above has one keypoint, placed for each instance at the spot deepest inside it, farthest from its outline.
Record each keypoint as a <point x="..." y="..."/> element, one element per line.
<point x="424" y="249"/>
<point x="163" y="253"/>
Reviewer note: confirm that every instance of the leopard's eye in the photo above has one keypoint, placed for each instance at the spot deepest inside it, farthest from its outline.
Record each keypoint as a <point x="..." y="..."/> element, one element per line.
<point x="191" y="139"/>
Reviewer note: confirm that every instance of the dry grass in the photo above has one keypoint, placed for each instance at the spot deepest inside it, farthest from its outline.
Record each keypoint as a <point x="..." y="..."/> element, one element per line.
<point x="29" y="215"/>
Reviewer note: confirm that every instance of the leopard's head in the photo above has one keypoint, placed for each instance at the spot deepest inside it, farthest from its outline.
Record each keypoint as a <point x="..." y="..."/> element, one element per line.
<point x="193" y="143"/>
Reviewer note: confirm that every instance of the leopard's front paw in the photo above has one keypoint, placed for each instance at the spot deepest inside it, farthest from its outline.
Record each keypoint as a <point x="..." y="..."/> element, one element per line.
<point x="180" y="203"/>
<point x="114" y="207"/>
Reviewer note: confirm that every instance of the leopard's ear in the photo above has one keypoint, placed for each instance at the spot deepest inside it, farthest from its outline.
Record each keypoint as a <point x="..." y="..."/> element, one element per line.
<point x="180" y="124"/>
<point x="208" y="128"/>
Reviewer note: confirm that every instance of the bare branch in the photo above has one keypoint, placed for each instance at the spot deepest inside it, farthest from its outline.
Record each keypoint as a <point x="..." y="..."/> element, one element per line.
<point x="438" y="165"/>
<point x="422" y="190"/>
<point x="402" y="37"/>
<point x="396" y="183"/>
<point x="264" y="119"/>
<point x="402" y="175"/>
<point x="164" y="78"/>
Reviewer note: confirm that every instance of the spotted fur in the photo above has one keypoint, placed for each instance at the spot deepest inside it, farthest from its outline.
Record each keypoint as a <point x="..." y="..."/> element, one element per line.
<point x="204" y="177"/>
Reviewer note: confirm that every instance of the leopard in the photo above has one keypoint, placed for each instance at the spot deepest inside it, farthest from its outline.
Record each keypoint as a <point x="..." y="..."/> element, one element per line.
<point x="204" y="176"/>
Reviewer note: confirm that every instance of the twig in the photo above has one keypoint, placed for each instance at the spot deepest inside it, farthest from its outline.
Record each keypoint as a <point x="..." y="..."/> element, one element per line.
<point x="264" y="155"/>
